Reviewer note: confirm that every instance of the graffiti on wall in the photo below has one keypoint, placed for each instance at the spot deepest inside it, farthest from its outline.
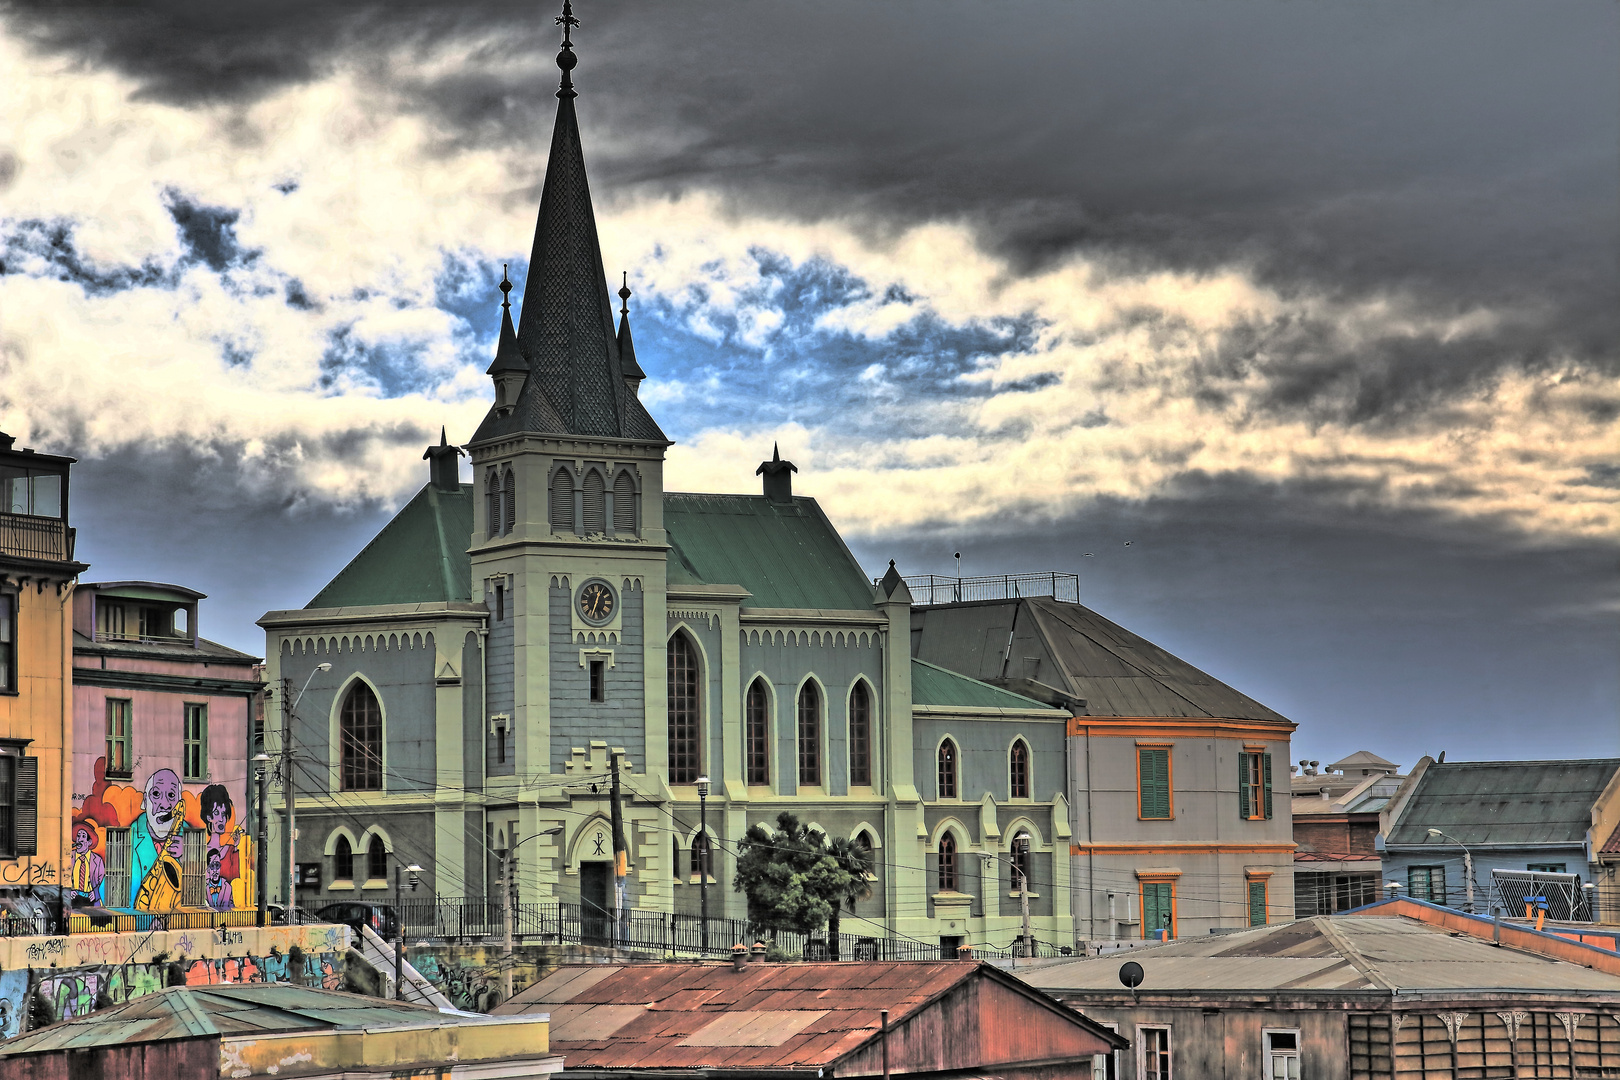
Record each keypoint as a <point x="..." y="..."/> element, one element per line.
<point x="158" y="815"/>
<point x="470" y="986"/>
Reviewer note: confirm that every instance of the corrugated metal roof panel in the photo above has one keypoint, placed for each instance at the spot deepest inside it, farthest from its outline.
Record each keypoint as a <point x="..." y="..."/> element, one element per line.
<point x="420" y="556"/>
<point x="1504" y="802"/>
<point x="934" y="685"/>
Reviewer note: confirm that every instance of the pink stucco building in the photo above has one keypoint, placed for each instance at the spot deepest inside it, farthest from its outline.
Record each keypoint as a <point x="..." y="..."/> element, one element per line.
<point x="163" y="721"/>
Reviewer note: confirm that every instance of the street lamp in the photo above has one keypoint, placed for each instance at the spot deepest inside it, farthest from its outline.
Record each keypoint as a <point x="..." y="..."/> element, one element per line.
<point x="703" y="862"/>
<point x="292" y="785"/>
<point x="261" y="761"/>
<point x="1468" y="864"/>
<point x="508" y="897"/>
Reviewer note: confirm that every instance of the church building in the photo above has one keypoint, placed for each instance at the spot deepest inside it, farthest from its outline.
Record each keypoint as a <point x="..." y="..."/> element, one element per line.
<point x="465" y="685"/>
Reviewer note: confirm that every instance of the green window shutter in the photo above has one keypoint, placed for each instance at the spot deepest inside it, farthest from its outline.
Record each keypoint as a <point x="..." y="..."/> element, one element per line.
<point x="1243" y="786"/>
<point x="1265" y="769"/>
<point x="1257" y="903"/>
<point x="1154" y="766"/>
<point x="27" y="806"/>
<point x="1158" y="910"/>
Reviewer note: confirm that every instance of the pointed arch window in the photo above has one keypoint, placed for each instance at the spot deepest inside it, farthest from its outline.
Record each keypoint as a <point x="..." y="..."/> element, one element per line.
<point x="1020" y="860"/>
<point x="342" y="860"/>
<point x="492" y="501"/>
<point x="510" y="521"/>
<point x="860" y="736"/>
<point x="947" y="770"/>
<point x="683" y="711"/>
<point x="809" y="735"/>
<point x="757" y="735"/>
<point x="947" y="863"/>
<point x="562" y="500"/>
<point x="1018" y="769"/>
<point x="595" y="504"/>
<point x="863" y="841"/>
<point x="376" y="859"/>
<point x="702" y="857"/>
<point x="360" y="735"/>
<point x="624" y="503"/>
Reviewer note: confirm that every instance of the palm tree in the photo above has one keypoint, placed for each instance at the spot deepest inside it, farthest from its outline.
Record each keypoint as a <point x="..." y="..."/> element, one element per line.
<point x="855" y="867"/>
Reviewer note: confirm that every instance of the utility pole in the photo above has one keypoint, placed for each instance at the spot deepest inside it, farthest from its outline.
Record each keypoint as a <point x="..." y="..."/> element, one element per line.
<point x="703" y="860"/>
<point x="506" y="929"/>
<point x="289" y="789"/>
<point x="621" y="859"/>
<point x="1023" y="900"/>
<point x="399" y="940"/>
<point x="261" y="833"/>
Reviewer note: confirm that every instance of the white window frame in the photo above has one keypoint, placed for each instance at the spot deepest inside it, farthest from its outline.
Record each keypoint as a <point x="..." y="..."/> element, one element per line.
<point x="1297" y="1053"/>
<point x="1141" y="1049"/>
<point x="1113" y="1055"/>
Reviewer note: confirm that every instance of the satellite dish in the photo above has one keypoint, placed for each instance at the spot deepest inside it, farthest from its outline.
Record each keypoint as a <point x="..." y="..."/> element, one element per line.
<point x="1131" y="974"/>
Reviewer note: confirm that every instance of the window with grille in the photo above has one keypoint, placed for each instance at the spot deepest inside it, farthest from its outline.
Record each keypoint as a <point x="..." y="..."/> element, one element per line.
<point x="1426" y="883"/>
<point x="8" y="642"/>
<point x="758" y="733"/>
<point x="1153" y="781"/>
<point x="1018" y="766"/>
<point x="492" y="501"/>
<point x="809" y="735"/>
<point x="509" y="518"/>
<point x="683" y="711"/>
<point x="860" y="736"/>
<point x="194" y="869"/>
<point x="947" y="863"/>
<point x="1257" y="903"/>
<point x="562" y="500"/>
<point x="947" y="770"/>
<point x="361" y="737"/>
<point x="1158" y="908"/>
<point x="1254" y="786"/>
<point x="117" y="889"/>
<point x="595" y="504"/>
<point x="624" y="503"/>
<point x="342" y="861"/>
<point x="119" y="756"/>
<point x="376" y="860"/>
<point x="1020" y="860"/>
<point x="194" y="752"/>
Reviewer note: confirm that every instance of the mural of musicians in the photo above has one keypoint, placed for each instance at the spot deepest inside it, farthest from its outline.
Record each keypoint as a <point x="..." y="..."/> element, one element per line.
<point x="88" y="871"/>
<point x="156" y="845"/>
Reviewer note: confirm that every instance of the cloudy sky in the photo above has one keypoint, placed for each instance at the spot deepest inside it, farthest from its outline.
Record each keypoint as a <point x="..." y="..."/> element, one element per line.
<point x="1311" y="304"/>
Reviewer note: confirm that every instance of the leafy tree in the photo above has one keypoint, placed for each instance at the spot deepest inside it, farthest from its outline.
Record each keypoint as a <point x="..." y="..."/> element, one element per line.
<point x="794" y="879"/>
<point x="855" y="864"/>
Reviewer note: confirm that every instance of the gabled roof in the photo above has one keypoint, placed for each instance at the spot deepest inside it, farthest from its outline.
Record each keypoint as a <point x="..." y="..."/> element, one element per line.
<point x="660" y="1017"/>
<point x="934" y="685"/>
<point x="1502" y="803"/>
<point x="1330" y="953"/>
<point x="1364" y="759"/>
<point x="787" y="555"/>
<point x="419" y="557"/>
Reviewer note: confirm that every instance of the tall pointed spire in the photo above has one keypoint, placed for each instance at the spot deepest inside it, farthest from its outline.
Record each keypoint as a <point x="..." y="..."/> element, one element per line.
<point x="576" y="380"/>
<point x="627" y="346"/>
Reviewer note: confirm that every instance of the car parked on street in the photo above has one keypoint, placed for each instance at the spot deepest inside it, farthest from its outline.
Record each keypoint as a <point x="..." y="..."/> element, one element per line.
<point x="380" y="917"/>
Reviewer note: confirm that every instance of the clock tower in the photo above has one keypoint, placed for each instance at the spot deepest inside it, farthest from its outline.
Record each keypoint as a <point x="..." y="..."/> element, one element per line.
<point x="568" y="547"/>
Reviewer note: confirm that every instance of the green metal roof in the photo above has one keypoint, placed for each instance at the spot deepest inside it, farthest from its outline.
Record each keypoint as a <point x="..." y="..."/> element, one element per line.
<point x="787" y="555"/>
<point x="933" y="685"/>
<point x="418" y="557"/>
<point x="1503" y="803"/>
<point x="188" y="1012"/>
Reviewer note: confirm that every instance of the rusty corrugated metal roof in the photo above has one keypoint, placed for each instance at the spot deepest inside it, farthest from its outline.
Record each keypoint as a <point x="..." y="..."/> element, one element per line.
<point x="662" y="1016"/>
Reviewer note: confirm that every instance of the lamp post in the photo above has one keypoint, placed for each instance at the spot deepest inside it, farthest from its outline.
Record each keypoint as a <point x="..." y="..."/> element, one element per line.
<point x="703" y="863"/>
<point x="288" y="717"/>
<point x="261" y="761"/>
<point x="1468" y="864"/>
<point x="508" y="899"/>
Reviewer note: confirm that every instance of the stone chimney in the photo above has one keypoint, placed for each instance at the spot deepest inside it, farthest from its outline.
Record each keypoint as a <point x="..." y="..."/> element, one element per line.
<point x="444" y="464"/>
<point x="778" y="477"/>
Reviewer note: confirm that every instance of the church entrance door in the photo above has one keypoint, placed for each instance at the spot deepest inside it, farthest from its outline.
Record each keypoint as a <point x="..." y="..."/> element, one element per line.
<point x="596" y="902"/>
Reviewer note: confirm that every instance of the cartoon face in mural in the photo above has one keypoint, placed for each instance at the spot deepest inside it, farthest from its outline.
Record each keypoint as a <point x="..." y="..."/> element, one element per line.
<point x="87" y="872"/>
<point x="162" y="803"/>
<point x="218" y="887"/>
<point x="216" y="815"/>
<point x="155" y="845"/>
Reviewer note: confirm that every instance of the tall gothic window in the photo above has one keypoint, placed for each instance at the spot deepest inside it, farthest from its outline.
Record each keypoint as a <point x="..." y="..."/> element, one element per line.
<point x="562" y="500"/>
<point x="624" y="503"/>
<point x="511" y="503"/>
<point x="492" y="501"/>
<point x="343" y="860"/>
<point x="860" y="736"/>
<point x="595" y="504"/>
<point x="809" y="735"/>
<point x="376" y="860"/>
<point x="360" y="735"/>
<point x="683" y="711"/>
<point x="1018" y="767"/>
<point x="758" y="733"/>
<point x="947" y="863"/>
<point x="947" y="770"/>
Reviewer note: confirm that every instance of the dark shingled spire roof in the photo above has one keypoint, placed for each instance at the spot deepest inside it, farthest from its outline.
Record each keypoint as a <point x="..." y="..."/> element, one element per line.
<point x="576" y="382"/>
<point x="627" y="346"/>
<point x="508" y="357"/>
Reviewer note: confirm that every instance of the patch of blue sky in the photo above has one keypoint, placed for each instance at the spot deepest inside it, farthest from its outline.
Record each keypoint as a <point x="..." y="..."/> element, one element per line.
<point x="35" y="247"/>
<point x="356" y="359"/>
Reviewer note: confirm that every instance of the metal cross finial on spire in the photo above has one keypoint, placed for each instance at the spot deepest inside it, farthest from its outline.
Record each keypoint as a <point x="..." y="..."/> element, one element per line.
<point x="506" y="289"/>
<point x="624" y="294"/>
<point x="566" y="60"/>
<point x="566" y="20"/>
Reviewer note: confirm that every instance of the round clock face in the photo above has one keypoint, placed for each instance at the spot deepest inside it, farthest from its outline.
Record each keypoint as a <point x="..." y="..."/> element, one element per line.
<point x="596" y="602"/>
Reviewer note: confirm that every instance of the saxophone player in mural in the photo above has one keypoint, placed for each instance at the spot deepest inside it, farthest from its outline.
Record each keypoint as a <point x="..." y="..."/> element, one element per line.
<point x="156" y="845"/>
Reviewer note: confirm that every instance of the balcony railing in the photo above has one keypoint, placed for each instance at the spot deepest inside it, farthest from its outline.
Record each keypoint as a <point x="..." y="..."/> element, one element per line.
<point x="26" y="537"/>
<point x="932" y="589"/>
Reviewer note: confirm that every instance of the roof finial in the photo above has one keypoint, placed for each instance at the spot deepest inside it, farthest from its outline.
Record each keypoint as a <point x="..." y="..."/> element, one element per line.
<point x="566" y="60"/>
<point x="442" y="440"/>
<point x="624" y="294"/>
<point x="506" y="289"/>
<point x="776" y="452"/>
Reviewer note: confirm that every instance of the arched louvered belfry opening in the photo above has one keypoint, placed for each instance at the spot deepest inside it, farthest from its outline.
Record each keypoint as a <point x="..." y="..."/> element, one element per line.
<point x="809" y="735"/>
<point x="684" y="710"/>
<point x="947" y="770"/>
<point x="624" y="504"/>
<point x="510" y="499"/>
<point x="492" y="501"/>
<point x="1018" y="770"/>
<point x="360" y="736"/>
<point x="860" y="735"/>
<point x="757" y="733"/>
<point x="593" y="505"/>
<point x="562" y="500"/>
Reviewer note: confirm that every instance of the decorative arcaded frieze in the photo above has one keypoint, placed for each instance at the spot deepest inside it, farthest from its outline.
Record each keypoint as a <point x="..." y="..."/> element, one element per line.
<point x="838" y="639"/>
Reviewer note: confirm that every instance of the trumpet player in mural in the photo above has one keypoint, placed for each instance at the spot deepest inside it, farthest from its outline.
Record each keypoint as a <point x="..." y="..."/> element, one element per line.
<point x="156" y="845"/>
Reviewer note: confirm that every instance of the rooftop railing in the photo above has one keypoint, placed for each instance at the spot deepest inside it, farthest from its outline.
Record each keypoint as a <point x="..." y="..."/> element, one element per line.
<point x="24" y="536"/>
<point x="927" y="589"/>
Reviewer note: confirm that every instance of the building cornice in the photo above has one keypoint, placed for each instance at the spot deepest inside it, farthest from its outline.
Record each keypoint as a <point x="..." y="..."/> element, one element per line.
<point x="1177" y="726"/>
<point x="151" y="680"/>
<point x="313" y="618"/>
